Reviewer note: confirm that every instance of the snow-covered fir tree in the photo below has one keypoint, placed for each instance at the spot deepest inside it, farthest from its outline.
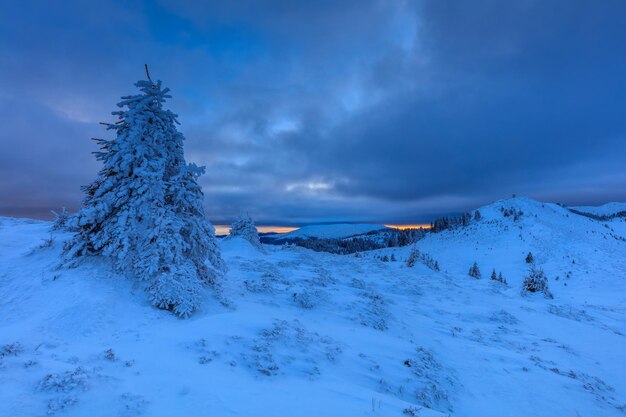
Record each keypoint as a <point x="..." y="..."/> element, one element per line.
<point x="415" y="255"/>
<point x="145" y="209"/>
<point x="60" y="220"/>
<point x="244" y="228"/>
<point x="474" y="271"/>
<point x="529" y="258"/>
<point x="536" y="281"/>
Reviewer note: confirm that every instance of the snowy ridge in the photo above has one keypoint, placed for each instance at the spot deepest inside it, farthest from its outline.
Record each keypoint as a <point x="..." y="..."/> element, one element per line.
<point x="607" y="209"/>
<point x="330" y="231"/>
<point x="315" y="334"/>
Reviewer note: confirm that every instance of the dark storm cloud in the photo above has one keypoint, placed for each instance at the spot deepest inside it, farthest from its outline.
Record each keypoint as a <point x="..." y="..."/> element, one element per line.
<point x="305" y="111"/>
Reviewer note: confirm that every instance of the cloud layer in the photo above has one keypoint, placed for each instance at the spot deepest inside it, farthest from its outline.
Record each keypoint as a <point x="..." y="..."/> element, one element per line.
<point x="331" y="111"/>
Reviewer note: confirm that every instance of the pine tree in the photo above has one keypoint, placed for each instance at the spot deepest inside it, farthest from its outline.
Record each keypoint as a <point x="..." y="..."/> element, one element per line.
<point x="244" y="227"/>
<point x="501" y="278"/>
<point x="494" y="277"/>
<point x="474" y="271"/>
<point x="413" y="257"/>
<point x="529" y="258"/>
<point x="145" y="210"/>
<point x="536" y="281"/>
<point x="61" y="220"/>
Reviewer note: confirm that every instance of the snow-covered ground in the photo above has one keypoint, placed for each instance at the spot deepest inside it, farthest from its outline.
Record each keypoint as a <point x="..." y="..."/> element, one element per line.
<point x="301" y="333"/>
<point x="330" y="231"/>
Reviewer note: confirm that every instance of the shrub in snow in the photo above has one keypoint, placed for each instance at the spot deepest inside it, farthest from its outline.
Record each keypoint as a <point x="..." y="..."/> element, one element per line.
<point x="536" y="281"/>
<point x="474" y="271"/>
<point x="244" y="228"/>
<point x="307" y="298"/>
<point x="433" y="378"/>
<point x="374" y="311"/>
<point x="145" y="210"/>
<point x="65" y="381"/>
<point x="290" y="346"/>
<point x="60" y="220"/>
<point x="529" y="258"/>
<point x="11" y="349"/>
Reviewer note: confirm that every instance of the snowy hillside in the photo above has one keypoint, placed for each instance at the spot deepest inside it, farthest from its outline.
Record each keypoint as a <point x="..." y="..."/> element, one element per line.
<point x="302" y="333"/>
<point x="330" y="231"/>
<point x="607" y="209"/>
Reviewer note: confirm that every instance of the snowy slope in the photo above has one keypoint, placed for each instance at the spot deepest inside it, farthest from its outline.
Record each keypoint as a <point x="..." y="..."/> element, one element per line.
<point x="328" y="231"/>
<point x="315" y="334"/>
<point x="603" y="210"/>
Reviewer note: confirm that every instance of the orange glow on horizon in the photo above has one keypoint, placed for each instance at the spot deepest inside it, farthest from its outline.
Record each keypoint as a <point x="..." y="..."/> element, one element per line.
<point x="224" y="229"/>
<point x="408" y="226"/>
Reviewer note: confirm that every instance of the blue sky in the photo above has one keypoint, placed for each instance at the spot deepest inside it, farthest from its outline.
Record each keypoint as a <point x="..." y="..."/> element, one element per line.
<point x="384" y="111"/>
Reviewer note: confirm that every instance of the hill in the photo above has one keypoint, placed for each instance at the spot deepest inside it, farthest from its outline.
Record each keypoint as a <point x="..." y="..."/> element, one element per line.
<point x="608" y="209"/>
<point x="297" y="332"/>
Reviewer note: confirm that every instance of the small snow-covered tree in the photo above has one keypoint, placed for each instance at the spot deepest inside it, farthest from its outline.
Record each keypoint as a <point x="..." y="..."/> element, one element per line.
<point x="477" y="215"/>
<point x="145" y="210"/>
<point x="61" y="219"/>
<point x="529" y="258"/>
<point x="497" y="277"/>
<point x="413" y="257"/>
<point x="474" y="271"/>
<point x="244" y="228"/>
<point x="536" y="281"/>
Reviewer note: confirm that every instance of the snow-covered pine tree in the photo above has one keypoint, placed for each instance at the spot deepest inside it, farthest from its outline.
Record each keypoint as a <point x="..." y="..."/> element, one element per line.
<point x="61" y="219"/>
<point x="494" y="276"/>
<point x="501" y="278"/>
<point x="413" y="257"/>
<point x="474" y="271"/>
<point x="536" y="281"/>
<point x="145" y="210"/>
<point x="529" y="258"/>
<point x="244" y="228"/>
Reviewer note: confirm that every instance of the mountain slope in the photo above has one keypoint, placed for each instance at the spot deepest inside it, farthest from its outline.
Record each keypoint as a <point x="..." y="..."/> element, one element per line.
<point x="310" y="334"/>
<point x="607" y="209"/>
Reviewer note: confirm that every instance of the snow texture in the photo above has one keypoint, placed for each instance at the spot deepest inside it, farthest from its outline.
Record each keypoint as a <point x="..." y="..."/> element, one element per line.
<point x="362" y="337"/>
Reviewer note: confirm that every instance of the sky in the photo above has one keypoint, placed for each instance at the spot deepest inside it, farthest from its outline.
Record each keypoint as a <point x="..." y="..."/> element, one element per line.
<point x="308" y="112"/>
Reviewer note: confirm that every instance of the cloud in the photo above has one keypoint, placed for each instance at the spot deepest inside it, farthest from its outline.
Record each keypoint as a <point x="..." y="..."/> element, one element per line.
<point x="332" y="111"/>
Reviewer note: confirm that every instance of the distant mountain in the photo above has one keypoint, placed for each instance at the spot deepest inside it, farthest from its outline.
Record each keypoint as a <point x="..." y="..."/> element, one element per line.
<point x="607" y="209"/>
<point x="330" y="231"/>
